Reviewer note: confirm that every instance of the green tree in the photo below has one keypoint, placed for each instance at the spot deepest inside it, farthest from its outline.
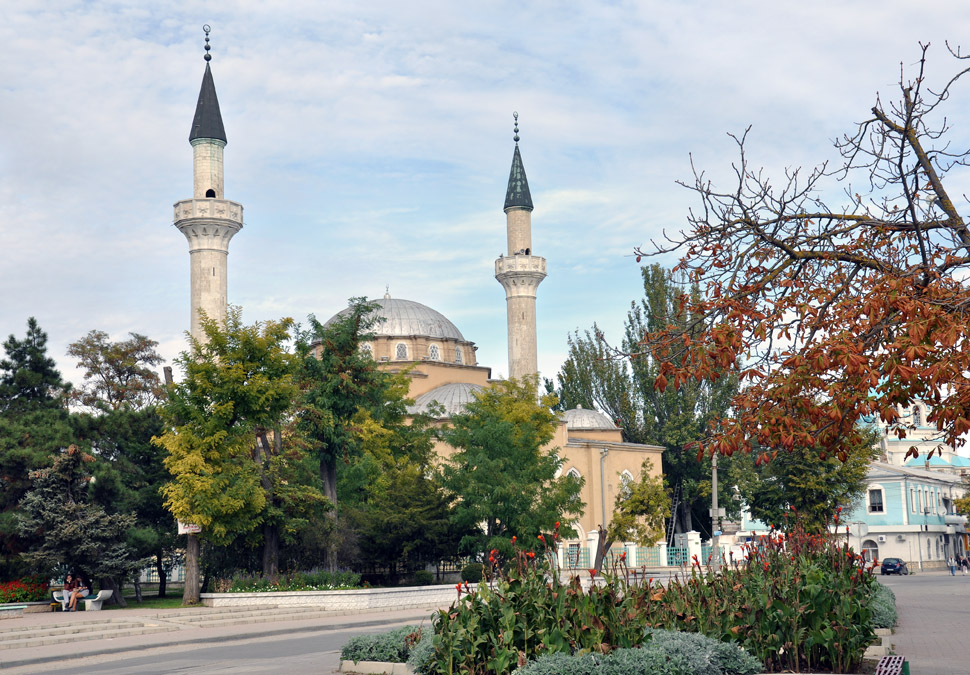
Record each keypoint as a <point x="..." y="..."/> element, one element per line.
<point x="226" y="450"/>
<point x="390" y="495"/>
<point x="594" y="375"/>
<point x="501" y="475"/>
<point x="34" y="425"/>
<point x="73" y="530"/>
<point x="639" y="513"/>
<point x="337" y="382"/>
<point x="121" y="391"/>
<point x="805" y="479"/>
<point x="117" y="374"/>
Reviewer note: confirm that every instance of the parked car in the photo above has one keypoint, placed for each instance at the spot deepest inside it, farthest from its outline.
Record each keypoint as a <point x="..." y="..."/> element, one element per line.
<point x="894" y="566"/>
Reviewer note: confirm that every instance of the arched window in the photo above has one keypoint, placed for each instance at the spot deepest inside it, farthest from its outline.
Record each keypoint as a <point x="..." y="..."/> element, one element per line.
<point x="434" y="353"/>
<point x="917" y="416"/>
<point x="401" y="352"/>
<point x="458" y="357"/>
<point x="210" y="194"/>
<point x="626" y="484"/>
<point x="367" y="349"/>
<point x="870" y="550"/>
<point x="573" y="473"/>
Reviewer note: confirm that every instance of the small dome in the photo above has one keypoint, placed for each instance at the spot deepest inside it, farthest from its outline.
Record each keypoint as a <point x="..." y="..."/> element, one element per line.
<point x="406" y="317"/>
<point x="581" y="418"/>
<point x="452" y="397"/>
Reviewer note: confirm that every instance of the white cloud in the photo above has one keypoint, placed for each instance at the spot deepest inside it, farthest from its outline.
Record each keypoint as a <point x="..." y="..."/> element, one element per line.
<point x="370" y="144"/>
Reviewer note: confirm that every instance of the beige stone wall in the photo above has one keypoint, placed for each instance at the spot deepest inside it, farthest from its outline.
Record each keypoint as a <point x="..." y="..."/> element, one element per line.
<point x="585" y="456"/>
<point x="519" y="225"/>
<point x="208" y="169"/>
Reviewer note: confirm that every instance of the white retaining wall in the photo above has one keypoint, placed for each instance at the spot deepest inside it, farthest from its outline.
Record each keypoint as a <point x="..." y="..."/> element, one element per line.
<point x="341" y="601"/>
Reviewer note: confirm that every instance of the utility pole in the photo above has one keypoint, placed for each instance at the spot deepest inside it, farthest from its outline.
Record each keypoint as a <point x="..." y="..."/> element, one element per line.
<point x="716" y="514"/>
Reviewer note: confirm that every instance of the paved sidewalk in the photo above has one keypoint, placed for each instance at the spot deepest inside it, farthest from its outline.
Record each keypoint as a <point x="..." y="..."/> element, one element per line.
<point x="933" y="631"/>
<point x="176" y="631"/>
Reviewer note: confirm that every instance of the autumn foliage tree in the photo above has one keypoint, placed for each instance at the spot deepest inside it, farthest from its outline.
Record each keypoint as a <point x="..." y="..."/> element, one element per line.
<point x="839" y="308"/>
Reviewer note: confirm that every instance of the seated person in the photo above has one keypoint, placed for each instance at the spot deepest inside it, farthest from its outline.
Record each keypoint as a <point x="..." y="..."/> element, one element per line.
<point x="70" y="583"/>
<point x="81" y="590"/>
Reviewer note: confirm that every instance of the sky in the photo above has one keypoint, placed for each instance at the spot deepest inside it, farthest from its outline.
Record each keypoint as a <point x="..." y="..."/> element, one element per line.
<point x="370" y="145"/>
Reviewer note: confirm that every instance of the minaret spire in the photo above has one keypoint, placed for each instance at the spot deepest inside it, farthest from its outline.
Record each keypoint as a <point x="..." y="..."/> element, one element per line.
<point x="520" y="272"/>
<point x="208" y="220"/>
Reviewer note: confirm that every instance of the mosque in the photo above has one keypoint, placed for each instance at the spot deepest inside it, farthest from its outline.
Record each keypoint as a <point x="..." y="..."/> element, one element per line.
<point x="442" y="364"/>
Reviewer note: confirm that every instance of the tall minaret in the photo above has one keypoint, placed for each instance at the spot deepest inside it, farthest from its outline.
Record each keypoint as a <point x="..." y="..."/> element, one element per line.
<point x="520" y="272"/>
<point x="208" y="220"/>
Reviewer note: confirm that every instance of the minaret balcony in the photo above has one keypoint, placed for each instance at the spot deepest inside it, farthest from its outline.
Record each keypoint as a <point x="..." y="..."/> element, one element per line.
<point x="525" y="264"/>
<point x="209" y="209"/>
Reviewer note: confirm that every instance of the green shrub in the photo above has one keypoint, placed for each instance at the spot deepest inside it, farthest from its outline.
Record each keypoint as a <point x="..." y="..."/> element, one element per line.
<point x="620" y="662"/>
<point x="706" y="655"/>
<point x="391" y="646"/>
<point x="472" y="573"/>
<point x="318" y="580"/>
<point x="423" y="578"/>
<point x="668" y="653"/>
<point x="882" y="602"/>
<point x="421" y="660"/>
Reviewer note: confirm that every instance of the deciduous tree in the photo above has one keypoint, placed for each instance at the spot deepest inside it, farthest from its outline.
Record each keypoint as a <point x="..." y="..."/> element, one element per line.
<point x="502" y="474"/>
<point x="639" y="512"/>
<point x="833" y="308"/>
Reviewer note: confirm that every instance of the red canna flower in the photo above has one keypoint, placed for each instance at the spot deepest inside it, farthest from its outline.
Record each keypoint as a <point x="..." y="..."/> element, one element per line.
<point x="531" y="554"/>
<point x="557" y="524"/>
<point x="592" y="572"/>
<point x="542" y="539"/>
<point x="513" y="538"/>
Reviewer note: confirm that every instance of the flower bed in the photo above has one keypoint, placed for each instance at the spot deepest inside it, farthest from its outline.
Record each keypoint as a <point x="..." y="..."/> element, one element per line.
<point x="797" y="602"/>
<point x="29" y="589"/>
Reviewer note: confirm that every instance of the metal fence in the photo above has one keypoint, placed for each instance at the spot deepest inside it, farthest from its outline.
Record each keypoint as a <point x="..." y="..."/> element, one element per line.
<point x="649" y="557"/>
<point x="677" y="556"/>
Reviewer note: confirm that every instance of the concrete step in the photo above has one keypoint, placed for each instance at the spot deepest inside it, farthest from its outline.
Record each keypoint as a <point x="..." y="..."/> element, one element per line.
<point x="105" y="634"/>
<point x="283" y="616"/>
<point x="253" y="614"/>
<point x="18" y="632"/>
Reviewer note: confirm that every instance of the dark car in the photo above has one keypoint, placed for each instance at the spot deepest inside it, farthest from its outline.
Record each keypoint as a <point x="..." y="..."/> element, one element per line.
<point x="894" y="566"/>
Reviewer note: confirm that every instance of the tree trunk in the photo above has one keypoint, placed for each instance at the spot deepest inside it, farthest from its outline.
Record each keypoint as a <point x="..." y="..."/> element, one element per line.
<point x="138" y="587"/>
<point x="191" y="594"/>
<point x="116" y="595"/>
<point x="271" y="553"/>
<point x="162" y="576"/>
<point x="328" y="476"/>
<point x="602" y="546"/>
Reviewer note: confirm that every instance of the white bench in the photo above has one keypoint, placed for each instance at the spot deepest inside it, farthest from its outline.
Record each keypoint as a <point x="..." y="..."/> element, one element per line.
<point x="62" y="597"/>
<point x="91" y="604"/>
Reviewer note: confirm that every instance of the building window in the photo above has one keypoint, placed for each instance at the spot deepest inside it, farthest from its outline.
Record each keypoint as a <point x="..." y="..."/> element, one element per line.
<point x="458" y="357"/>
<point x="875" y="501"/>
<point x="917" y="416"/>
<point x="572" y="473"/>
<point x="626" y="484"/>
<point x="434" y="353"/>
<point x="870" y="550"/>
<point x="401" y="352"/>
<point x="367" y="350"/>
<point x="912" y="500"/>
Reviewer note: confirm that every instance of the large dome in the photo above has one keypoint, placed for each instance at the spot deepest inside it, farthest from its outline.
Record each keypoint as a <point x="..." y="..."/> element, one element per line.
<point x="452" y="397"/>
<point x="581" y="418"/>
<point x="406" y="317"/>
